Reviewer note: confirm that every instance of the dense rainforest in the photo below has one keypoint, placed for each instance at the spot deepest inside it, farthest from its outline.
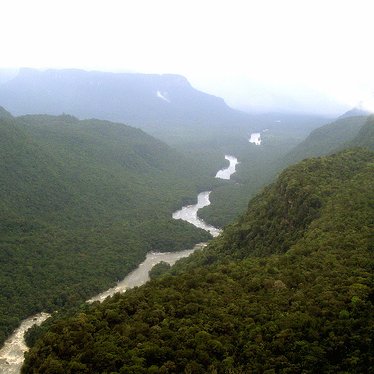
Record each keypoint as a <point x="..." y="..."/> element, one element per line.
<point x="81" y="203"/>
<point x="288" y="287"/>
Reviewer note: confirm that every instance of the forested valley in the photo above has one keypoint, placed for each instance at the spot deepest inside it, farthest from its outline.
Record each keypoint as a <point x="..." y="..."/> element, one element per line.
<point x="186" y="187"/>
<point x="82" y="202"/>
<point x="287" y="287"/>
<point x="283" y="144"/>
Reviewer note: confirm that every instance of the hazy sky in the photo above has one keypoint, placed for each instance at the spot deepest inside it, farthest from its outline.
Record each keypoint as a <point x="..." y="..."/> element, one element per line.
<point x="224" y="47"/>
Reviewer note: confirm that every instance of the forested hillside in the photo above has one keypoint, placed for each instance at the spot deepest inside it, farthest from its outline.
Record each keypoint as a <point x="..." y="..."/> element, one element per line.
<point x="82" y="202"/>
<point x="286" y="288"/>
<point x="283" y="143"/>
<point x="365" y="137"/>
<point x="327" y="139"/>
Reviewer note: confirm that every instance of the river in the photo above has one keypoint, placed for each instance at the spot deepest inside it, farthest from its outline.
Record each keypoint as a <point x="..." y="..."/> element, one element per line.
<point x="227" y="172"/>
<point x="255" y="138"/>
<point x="140" y="275"/>
<point x="189" y="214"/>
<point x="12" y="353"/>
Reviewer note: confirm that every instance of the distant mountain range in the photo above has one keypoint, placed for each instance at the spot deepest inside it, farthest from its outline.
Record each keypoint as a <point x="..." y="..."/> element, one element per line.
<point x="152" y="102"/>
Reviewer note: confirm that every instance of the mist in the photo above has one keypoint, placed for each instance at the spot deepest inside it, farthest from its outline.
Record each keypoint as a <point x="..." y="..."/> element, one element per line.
<point x="259" y="56"/>
<point x="260" y="97"/>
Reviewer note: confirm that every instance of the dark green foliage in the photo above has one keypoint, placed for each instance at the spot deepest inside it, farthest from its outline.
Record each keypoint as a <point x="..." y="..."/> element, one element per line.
<point x="278" y="217"/>
<point x="159" y="269"/>
<point x="250" y="307"/>
<point x="81" y="203"/>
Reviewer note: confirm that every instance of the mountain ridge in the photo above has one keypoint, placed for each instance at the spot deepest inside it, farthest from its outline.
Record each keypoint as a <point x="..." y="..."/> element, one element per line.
<point x="4" y="113"/>
<point x="149" y="101"/>
<point x="327" y="139"/>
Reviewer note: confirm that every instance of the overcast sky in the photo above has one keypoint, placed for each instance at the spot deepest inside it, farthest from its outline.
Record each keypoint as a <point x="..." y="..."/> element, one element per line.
<point x="229" y="48"/>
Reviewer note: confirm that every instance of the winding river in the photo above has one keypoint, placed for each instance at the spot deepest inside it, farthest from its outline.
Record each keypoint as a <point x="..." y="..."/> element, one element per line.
<point x="140" y="275"/>
<point x="230" y="170"/>
<point x="12" y="353"/>
<point x="189" y="214"/>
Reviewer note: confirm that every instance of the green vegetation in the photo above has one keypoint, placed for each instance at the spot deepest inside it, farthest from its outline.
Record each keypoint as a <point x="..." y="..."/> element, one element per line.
<point x="81" y="203"/>
<point x="287" y="288"/>
<point x="365" y="137"/>
<point x="327" y="139"/>
<point x="257" y="168"/>
<point x="159" y="269"/>
<point x="198" y="124"/>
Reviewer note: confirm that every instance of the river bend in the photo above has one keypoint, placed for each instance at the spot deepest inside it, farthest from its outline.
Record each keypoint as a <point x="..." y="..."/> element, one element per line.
<point x="12" y="353"/>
